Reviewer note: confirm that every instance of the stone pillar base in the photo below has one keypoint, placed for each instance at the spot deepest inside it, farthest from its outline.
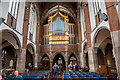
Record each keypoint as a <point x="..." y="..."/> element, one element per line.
<point x="51" y="66"/>
<point x="21" y="59"/>
<point x="35" y="65"/>
<point x="92" y="64"/>
<point x="82" y="60"/>
<point x="66" y="64"/>
<point x="0" y="60"/>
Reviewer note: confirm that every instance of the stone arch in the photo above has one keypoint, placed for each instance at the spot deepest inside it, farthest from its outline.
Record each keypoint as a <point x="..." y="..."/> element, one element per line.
<point x="56" y="53"/>
<point x="31" y="48"/>
<point x="55" y="4"/>
<point x="42" y="55"/>
<point x="101" y="38"/>
<point x="75" y="58"/>
<point x="10" y="45"/>
<point x="85" y="47"/>
<point x="57" y="56"/>
<point x="100" y="41"/>
<point x="30" y="57"/>
<point x="45" y="55"/>
<point x="110" y="59"/>
<point x="14" y="40"/>
<point x="96" y="33"/>
<point x="85" y="55"/>
<point x="45" y="61"/>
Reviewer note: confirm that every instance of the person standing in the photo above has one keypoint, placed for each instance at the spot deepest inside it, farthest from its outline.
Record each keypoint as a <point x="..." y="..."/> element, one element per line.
<point x="76" y="67"/>
<point x="70" y="66"/>
<point x="55" y="67"/>
<point x="17" y="76"/>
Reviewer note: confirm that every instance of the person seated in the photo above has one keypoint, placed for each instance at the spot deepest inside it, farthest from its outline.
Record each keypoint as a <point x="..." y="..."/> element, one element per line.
<point x="5" y="76"/>
<point x="17" y="76"/>
<point x="0" y="77"/>
<point x="85" y="69"/>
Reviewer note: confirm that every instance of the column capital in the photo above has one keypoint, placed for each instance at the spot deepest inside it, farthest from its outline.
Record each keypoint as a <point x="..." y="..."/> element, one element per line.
<point x="95" y="49"/>
<point x="51" y="61"/>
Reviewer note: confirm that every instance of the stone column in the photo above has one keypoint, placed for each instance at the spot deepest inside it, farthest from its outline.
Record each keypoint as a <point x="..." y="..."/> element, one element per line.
<point x="22" y="56"/>
<point x="96" y="59"/>
<point x="35" y="65"/>
<point x="114" y="25"/>
<point x="37" y="46"/>
<point x="66" y="64"/>
<point x="79" y="33"/>
<point x="51" y="62"/>
<point x="88" y="31"/>
<point x="91" y="60"/>
<point x="115" y="35"/>
<point x="51" y="59"/>
<point x="82" y="60"/>
<point x="66" y="57"/>
<point x="21" y="59"/>
<point x="0" y="60"/>
<point x="0" y="43"/>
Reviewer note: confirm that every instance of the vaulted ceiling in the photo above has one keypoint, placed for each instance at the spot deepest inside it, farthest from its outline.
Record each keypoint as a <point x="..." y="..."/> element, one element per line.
<point x="44" y="8"/>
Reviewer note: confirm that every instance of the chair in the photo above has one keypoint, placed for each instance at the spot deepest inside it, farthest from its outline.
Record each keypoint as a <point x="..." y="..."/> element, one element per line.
<point x="84" y="78"/>
<point x="103" y="75"/>
<point x="81" y="76"/>
<point x="95" y="75"/>
<point x="110" y="75"/>
<point x="66" y="76"/>
<point x="75" y="78"/>
<point x="11" y="76"/>
<point x="41" y="76"/>
<point x="66" y="79"/>
<point x="94" y="78"/>
<point x="26" y="76"/>
<point x="88" y="75"/>
<point x="102" y="78"/>
<point x="111" y="78"/>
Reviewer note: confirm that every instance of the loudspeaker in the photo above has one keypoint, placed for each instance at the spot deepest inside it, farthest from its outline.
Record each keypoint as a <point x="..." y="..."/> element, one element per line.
<point x="104" y="16"/>
<point x="1" y="20"/>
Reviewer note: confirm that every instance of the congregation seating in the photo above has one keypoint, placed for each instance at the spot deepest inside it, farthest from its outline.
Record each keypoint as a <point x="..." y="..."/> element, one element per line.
<point x="33" y="75"/>
<point x="67" y="75"/>
<point x="78" y="75"/>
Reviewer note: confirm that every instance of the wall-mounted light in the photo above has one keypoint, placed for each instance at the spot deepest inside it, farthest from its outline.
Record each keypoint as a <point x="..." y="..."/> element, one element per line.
<point x="104" y="16"/>
<point x="1" y="20"/>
